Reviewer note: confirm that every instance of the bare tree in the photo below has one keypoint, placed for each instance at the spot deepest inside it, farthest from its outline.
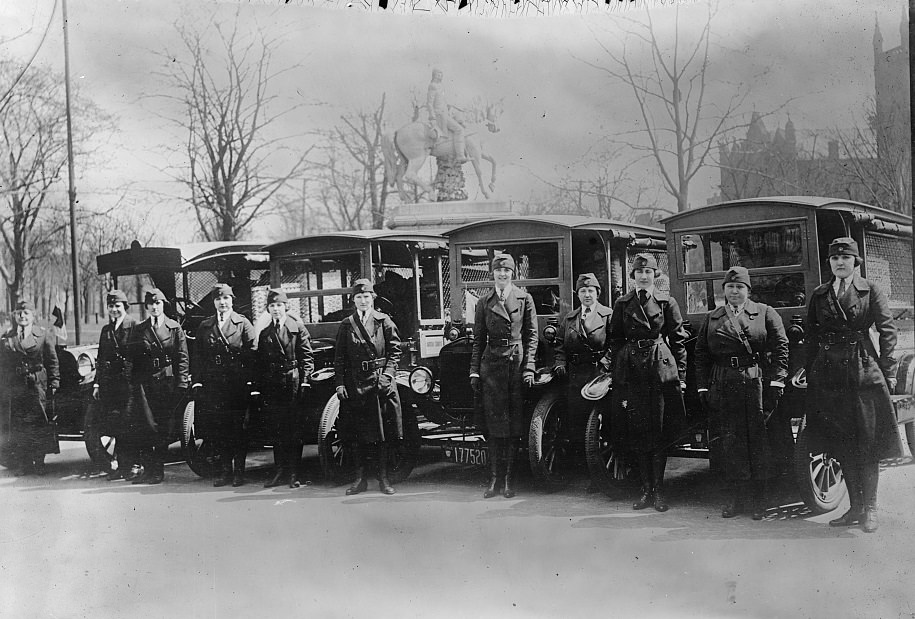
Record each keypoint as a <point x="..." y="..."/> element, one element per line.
<point x="237" y="156"/>
<point x="680" y="124"/>
<point x="351" y="186"/>
<point x="33" y="141"/>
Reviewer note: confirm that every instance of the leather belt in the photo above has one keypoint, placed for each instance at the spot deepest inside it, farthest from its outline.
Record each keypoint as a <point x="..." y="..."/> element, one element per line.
<point x="585" y="358"/>
<point x="283" y="367"/>
<point x="646" y="343"/>
<point x="738" y="362"/>
<point x="23" y="370"/>
<point x="842" y="337"/>
<point x="374" y="364"/>
<point x="504" y="341"/>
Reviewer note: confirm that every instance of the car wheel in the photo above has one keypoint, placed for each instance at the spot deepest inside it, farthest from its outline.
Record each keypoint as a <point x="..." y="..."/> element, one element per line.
<point x="608" y="468"/>
<point x="818" y="475"/>
<point x="99" y="446"/>
<point x="198" y="453"/>
<point x="331" y="451"/>
<point x="549" y="449"/>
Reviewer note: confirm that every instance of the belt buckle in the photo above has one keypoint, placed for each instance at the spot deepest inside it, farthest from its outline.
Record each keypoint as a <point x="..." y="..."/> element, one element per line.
<point x="217" y="360"/>
<point x="735" y="362"/>
<point x="644" y="343"/>
<point x="155" y="363"/>
<point x="504" y="342"/>
<point x="366" y="367"/>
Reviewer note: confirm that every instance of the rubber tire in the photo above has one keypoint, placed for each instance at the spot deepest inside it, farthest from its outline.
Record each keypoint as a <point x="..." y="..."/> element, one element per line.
<point x="335" y="462"/>
<point x="550" y="461"/>
<point x="818" y="476"/>
<point x="198" y="453"/>
<point x="609" y="470"/>
<point x="100" y="447"/>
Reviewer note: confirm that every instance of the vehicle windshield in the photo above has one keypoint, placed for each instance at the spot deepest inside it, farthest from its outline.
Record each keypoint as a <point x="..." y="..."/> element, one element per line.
<point x="537" y="272"/>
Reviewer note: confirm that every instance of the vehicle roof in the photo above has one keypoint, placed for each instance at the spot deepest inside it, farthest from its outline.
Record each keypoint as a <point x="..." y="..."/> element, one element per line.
<point x="570" y="222"/>
<point x="139" y="259"/>
<point x="430" y="235"/>
<point x="813" y="202"/>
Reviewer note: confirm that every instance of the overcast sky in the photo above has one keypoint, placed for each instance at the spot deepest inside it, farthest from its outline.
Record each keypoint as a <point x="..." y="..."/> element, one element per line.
<point x="557" y="108"/>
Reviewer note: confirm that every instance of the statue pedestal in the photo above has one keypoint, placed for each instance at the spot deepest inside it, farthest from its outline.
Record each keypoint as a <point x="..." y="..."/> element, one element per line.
<point x="446" y="214"/>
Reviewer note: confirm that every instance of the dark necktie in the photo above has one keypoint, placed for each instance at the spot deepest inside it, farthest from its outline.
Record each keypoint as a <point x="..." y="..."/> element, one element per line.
<point x="643" y="297"/>
<point x="842" y="288"/>
<point x="21" y="333"/>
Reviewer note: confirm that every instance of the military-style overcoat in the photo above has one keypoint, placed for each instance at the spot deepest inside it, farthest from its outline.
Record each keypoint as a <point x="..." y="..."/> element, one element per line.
<point x="504" y="347"/>
<point x="112" y="373"/>
<point x="372" y="411"/>
<point x="580" y="345"/>
<point x="158" y="377"/>
<point x="285" y="361"/>
<point x="846" y="376"/>
<point x="649" y="361"/>
<point x="222" y="363"/>
<point x="28" y="368"/>
<point x="735" y="379"/>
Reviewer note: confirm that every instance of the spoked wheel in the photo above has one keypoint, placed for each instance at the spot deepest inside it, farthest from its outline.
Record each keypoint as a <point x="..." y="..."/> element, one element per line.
<point x="549" y="448"/>
<point x="335" y="461"/>
<point x="99" y="445"/>
<point x="199" y="453"/>
<point x="608" y="468"/>
<point x="818" y="475"/>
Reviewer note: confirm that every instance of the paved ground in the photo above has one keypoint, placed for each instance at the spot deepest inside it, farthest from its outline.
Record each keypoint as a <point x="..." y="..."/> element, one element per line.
<point x="72" y="547"/>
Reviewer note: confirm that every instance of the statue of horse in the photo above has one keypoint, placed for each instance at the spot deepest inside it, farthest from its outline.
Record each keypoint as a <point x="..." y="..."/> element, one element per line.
<point x="405" y="151"/>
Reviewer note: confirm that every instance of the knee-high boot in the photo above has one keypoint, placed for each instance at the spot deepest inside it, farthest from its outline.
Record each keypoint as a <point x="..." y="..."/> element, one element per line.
<point x="869" y="478"/>
<point x="384" y="485"/>
<point x="851" y="470"/>
<point x="279" y="465"/>
<point x="359" y="485"/>
<point x="495" y="464"/>
<point x="511" y="450"/>
<point x="658" y="464"/>
<point x="646" y="498"/>
<point x="295" y="460"/>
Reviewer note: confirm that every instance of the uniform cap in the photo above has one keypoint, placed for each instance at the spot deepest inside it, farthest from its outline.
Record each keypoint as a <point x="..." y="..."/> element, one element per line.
<point x="25" y="306"/>
<point x="502" y="261"/>
<point x="152" y="295"/>
<point x="363" y="285"/>
<point x="116" y="296"/>
<point x="644" y="261"/>
<point x="276" y="296"/>
<point x="222" y="290"/>
<point x="845" y="246"/>
<point x="586" y="279"/>
<point x="737" y="275"/>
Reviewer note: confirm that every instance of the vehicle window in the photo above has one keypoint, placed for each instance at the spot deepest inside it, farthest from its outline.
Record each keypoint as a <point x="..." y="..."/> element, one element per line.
<point x="533" y="260"/>
<point x="889" y="265"/>
<point x="319" y="273"/>
<point x="546" y="299"/>
<point x="756" y="247"/>
<point x="779" y="291"/>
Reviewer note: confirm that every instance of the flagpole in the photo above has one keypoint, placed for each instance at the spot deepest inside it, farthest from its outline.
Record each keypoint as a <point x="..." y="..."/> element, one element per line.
<point x="71" y="192"/>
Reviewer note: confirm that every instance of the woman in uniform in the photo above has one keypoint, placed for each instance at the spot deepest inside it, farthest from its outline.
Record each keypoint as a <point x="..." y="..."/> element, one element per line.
<point x="365" y="365"/>
<point x="647" y="340"/>
<point x="30" y="373"/>
<point x="501" y="364"/>
<point x="222" y="366"/>
<point x="112" y="386"/>
<point x="157" y="348"/>
<point x="582" y="349"/>
<point x="285" y="363"/>
<point x="741" y="359"/>
<point x="849" y="382"/>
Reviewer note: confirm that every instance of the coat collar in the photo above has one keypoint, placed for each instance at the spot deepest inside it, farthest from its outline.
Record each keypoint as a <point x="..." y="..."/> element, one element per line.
<point x="601" y="310"/>
<point x="511" y="303"/>
<point x="751" y="308"/>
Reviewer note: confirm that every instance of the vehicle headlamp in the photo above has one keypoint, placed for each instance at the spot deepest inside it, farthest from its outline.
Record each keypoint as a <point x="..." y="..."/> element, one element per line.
<point x="421" y="380"/>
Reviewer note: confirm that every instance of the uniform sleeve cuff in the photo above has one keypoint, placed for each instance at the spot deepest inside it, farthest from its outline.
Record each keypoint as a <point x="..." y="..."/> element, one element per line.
<point x="701" y="389"/>
<point x="777" y="383"/>
<point x="474" y="375"/>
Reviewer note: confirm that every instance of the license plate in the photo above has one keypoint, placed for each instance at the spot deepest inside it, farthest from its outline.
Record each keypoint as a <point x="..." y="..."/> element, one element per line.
<point x="467" y="455"/>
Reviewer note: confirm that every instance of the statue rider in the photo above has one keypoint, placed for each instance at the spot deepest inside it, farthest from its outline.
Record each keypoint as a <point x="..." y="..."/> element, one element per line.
<point x="441" y="117"/>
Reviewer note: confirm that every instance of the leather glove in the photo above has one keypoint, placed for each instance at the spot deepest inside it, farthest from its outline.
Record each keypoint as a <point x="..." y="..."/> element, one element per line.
<point x="559" y="371"/>
<point x="771" y="396"/>
<point x="703" y="399"/>
<point x="682" y="386"/>
<point x="605" y="365"/>
<point x="891" y="385"/>
<point x="476" y="384"/>
<point x="385" y="380"/>
<point x="95" y="393"/>
<point x="528" y="378"/>
<point x="341" y="393"/>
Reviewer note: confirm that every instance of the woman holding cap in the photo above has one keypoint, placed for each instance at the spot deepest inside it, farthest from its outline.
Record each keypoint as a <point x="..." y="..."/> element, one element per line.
<point x="30" y="376"/>
<point x="502" y="362"/>
<point x="112" y="386"/>
<point x="741" y="361"/>
<point x="582" y="348"/>
<point x="285" y="362"/>
<point x="157" y="349"/>
<point x="365" y="363"/>
<point x="849" y="382"/>
<point x="221" y="367"/>
<point x="647" y="340"/>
